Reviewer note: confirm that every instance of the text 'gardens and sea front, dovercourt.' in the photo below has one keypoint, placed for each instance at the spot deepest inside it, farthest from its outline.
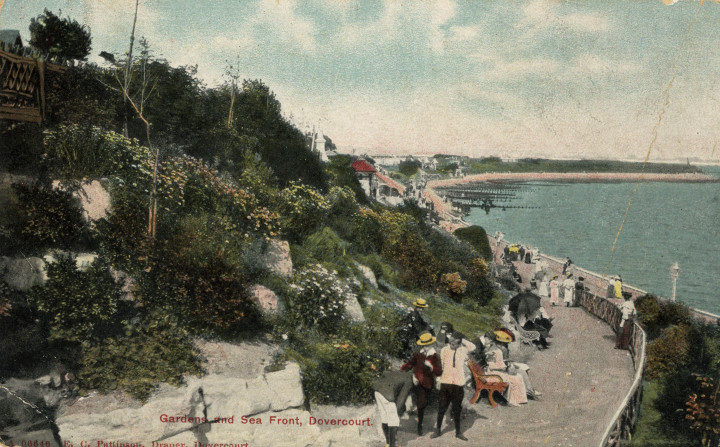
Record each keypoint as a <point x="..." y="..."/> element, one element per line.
<point x="266" y="420"/>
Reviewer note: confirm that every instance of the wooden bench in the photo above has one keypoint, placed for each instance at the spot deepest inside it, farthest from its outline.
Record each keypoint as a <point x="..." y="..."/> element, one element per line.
<point x="489" y="382"/>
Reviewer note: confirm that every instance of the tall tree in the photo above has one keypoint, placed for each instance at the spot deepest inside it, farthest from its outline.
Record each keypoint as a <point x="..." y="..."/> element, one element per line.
<point x="63" y="37"/>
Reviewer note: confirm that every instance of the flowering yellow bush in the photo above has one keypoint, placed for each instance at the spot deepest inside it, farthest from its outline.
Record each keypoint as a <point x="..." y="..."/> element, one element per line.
<point x="453" y="284"/>
<point x="479" y="267"/>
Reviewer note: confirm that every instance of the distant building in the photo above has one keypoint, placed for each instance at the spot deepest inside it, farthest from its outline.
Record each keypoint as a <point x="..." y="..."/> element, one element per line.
<point x="389" y="190"/>
<point x="10" y="38"/>
<point x="365" y="174"/>
<point x="377" y="185"/>
<point x="317" y="144"/>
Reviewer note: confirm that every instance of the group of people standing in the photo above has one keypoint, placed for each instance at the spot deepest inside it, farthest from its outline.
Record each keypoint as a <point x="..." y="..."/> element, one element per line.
<point x="421" y="372"/>
<point x="516" y="252"/>
<point x="441" y="363"/>
<point x="567" y="289"/>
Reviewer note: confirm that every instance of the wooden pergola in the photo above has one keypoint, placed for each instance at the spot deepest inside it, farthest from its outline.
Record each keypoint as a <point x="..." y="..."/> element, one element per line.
<point x="22" y="87"/>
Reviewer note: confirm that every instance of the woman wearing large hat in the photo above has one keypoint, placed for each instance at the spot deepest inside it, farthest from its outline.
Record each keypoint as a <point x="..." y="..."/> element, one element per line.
<point x="513" y="373"/>
<point x="426" y="366"/>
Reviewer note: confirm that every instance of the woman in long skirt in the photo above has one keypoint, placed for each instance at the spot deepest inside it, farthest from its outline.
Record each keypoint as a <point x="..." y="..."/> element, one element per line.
<point x="626" y="324"/>
<point x="543" y="287"/>
<point x="554" y="294"/>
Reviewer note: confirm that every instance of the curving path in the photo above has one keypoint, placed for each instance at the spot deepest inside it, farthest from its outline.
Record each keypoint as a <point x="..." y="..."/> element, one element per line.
<point x="583" y="380"/>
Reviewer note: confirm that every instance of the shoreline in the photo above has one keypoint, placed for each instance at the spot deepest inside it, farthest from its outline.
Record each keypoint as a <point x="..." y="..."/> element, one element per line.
<point x="450" y="222"/>
<point x="575" y="177"/>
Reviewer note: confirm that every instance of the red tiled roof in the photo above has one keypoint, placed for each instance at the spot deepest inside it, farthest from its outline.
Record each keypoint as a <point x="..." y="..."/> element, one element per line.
<point x="362" y="166"/>
<point x="391" y="183"/>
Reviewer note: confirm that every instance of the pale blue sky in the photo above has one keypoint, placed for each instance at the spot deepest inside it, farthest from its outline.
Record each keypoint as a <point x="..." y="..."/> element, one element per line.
<point x="515" y="78"/>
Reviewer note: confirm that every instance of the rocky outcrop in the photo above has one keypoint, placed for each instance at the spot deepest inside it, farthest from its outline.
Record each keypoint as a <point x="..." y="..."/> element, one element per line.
<point x="94" y="201"/>
<point x="26" y="410"/>
<point x="266" y="299"/>
<point x="182" y="414"/>
<point x="368" y="274"/>
<point x="276" y="258"/>
<point x="22" y="273"/>
<point x="353" y="309"/>
<point x="236" y="402"/>
<point x="25" y="272"/>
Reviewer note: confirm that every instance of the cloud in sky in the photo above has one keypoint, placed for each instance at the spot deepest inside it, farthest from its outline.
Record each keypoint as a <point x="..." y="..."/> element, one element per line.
<point x="536" y="77"/>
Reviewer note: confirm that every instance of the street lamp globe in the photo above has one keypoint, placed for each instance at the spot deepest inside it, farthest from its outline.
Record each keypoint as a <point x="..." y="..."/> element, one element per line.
<point x="674" y="270"/>
<point x="674" y="273"/>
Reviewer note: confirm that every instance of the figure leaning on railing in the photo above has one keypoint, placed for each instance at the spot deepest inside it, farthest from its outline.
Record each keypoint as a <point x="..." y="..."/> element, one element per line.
<point x="626" y="323"/>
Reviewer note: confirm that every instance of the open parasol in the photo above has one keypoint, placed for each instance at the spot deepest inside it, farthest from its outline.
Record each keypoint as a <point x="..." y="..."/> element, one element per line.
<point x="524" y="303"/>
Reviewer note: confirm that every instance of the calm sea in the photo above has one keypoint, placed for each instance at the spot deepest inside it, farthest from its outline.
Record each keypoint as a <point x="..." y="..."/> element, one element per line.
<point x="666" y="222"/>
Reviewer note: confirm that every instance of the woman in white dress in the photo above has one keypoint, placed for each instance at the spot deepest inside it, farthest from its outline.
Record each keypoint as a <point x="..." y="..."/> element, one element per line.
<point x="543" y="289"/>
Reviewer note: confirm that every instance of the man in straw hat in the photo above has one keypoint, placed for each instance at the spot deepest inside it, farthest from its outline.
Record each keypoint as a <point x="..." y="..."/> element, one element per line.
<point x="454" y="357"/>
<point x="391" y="392"/>
<point x="414" y="325"/>
<point x="426" y="366"/>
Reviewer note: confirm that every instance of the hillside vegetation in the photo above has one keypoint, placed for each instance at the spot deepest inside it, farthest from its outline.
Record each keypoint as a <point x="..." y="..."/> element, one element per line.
<point x="201" y="180"/>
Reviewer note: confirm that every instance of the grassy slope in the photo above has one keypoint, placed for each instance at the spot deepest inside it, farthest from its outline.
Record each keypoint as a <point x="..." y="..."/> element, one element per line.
<point x="647" y="432"/>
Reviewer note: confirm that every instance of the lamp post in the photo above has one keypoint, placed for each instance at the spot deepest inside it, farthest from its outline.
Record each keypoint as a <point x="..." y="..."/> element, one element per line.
<point x="674" y="273"/>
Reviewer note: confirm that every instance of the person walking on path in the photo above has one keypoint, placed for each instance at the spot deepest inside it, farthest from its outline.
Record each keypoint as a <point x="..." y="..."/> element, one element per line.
<point x="454" y="357"/>
<point x="391" y="392"/>
<point x="426" y="366"/>
<point x="554" y="292"/>
<point x="627" y="308"/>
<point x="618" y="287"/>
<point x="569" y="286"/>
<point x="543" y="287"/>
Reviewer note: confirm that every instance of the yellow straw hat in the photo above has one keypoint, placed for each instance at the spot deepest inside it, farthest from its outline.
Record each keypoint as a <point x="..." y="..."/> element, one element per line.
<point x="421" y="303"/>
<point x="502" y="336"/>
<point x="425" y="339"/>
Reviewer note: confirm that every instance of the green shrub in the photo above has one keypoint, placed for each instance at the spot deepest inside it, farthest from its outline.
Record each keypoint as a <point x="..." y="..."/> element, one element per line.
<point x="149" y="353"/>
<point x="342" y="175"/>
<point x="339" y="373"/>
<point x="302" y="211"/>
<point x="655" y="314"/>
<point x="82" y="305"/>
<point x="49" y="218"/>
<point x="477" y="237"/>
<point x="205" y="292"/>
<point x="123" y="234"/>
<point x="380" y="331"/>
<point x="77" y="152"/>
<point x="409" y="167"/>
<point x="379" y="267"/>
<point x="325" y="245"/>
<point x="668" y="352"/>
<point x="340" y="369"/>
<point x="364" y="230"/>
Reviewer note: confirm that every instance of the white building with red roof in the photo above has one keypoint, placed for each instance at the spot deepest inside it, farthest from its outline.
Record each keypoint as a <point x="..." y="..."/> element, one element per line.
<point x="377" y="185"/>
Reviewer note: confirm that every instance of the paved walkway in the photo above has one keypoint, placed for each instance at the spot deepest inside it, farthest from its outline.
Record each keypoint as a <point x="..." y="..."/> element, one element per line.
<point x="583" y="380"/>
